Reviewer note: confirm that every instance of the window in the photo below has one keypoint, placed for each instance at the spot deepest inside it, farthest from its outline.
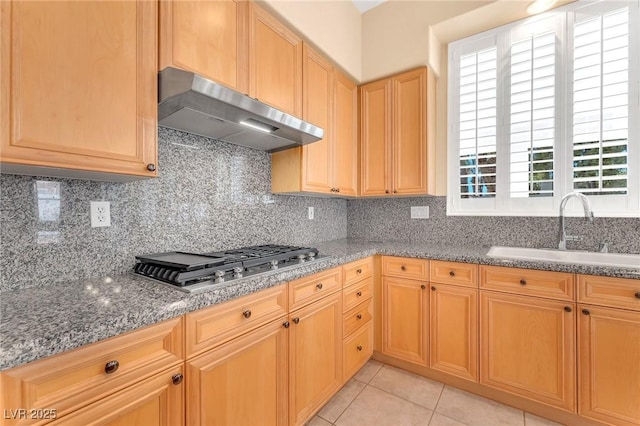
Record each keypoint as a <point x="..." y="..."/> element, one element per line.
<point x="543" y="107"/>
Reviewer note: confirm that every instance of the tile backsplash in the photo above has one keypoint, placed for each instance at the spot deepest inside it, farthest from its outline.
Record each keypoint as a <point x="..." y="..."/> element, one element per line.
<point x="210" y="195"/>
<point x="390" y="219"/>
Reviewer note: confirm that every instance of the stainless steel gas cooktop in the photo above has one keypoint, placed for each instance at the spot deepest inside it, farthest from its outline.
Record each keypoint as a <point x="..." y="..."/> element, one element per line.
<point x="191" y="272"/>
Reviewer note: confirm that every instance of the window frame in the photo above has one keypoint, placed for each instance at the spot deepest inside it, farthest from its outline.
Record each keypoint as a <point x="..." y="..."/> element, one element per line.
<point x="503" y="204"/>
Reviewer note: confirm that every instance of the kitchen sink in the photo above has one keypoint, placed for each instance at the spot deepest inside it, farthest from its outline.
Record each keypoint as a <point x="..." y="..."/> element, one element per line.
<point x="567" y="256"/>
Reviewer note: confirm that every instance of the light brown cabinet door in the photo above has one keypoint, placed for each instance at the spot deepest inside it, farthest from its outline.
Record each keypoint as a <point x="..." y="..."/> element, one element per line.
<point x="609" y="365"/>
<point x="375" y="138"/>
<point x="405" y="317"/>
<point x="157" y="401"/>
<point x="315" y="356"/>
<point x="243" y="382"/>
<point x="410" y="132"/>
<point x="79" y="88"/>
<point x="453" y="330"/>
<point x="209" y="38"/>
<point x="345" y="137"/>
<point x="317" y="108"/>
<point x="527" y="347"/>
<point x="275" y="62"/>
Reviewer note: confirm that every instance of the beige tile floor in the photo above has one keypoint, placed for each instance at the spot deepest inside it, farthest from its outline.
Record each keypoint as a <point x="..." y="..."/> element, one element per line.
<point x="383" y="395"/>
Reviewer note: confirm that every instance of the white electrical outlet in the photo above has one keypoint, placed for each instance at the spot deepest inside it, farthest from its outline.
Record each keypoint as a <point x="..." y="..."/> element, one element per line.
<point x="100" y="214"/>
<point x="311" y="213"/>
<point x="420" y="212"/>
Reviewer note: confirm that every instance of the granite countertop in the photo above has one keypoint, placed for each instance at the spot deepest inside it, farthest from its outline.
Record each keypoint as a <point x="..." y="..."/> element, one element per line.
<point x="48" y="319"/>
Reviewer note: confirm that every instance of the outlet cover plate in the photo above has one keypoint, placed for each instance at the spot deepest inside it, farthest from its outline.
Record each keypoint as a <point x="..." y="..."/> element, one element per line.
<point x="100" y="214"/>
<point x="311" y="214"/>
<point x="419" y="212"/>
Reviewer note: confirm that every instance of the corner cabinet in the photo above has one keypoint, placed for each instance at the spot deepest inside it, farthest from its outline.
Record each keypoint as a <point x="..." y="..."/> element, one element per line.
<point x="209" y="38"/>
<point x="79" y="85"/>
<point x="397" y="132"/>
<point x="328" y="166"/>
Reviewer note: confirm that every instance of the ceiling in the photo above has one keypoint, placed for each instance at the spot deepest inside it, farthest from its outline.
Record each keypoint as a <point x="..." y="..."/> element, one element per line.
<point x="364" y="5"/>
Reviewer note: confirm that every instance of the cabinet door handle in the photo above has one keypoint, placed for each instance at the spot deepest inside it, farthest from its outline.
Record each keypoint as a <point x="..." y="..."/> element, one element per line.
<point x="359" y="348"/>
<point x="568" y="309"/>
<point x="286" y="324"/>
<point x="359" y="271"/>
<point x="177" y="379"/>
<point x="359" y="294"/>
<point x="422" y="286"/>
<point x="319" y="286"/>
<point x="386" y="191"/>
<point x="337" y="189"/>
<point x="523" y="282"/>
<point x="247" y="313"/>
<point x="111" y="367"/>
<point x="433" y="288"/>
<point x="296" y="320"/>
<point x="404" y="268"/>
<point x="395" y="191"/>
<point x="452" y="274"/>
<point x="359" y="316"/>
<point x="637" y="295"/>
<point x="586" y="312"/>
<point x="151" y="167"/>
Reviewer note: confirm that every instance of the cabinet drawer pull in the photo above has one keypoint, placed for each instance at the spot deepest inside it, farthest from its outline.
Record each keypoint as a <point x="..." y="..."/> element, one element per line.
<point x="359" y="316"/>
<point x="404" y="268"/>
<point x="286" y="324"/>
<point x="359" y="294"/>
<point x="177" y="379"/>
<point x="422" y="286"/>
<point x="319" y="286"/>
<point x="452" y="274"/>
<point x="296" y="320"/>
<point x="568" y="309"/>
<point x="337" y="189"/>
<point x="151" y="167"/>
<point x="586" y="312"/>
<point x="111" y="367"/>
<point x="637" y="295"/>
<point x="247" y="313"/>
<point x="359" y="271"/>
<point x="386" y="191"/>
<point x="523" y="282"/>
<point x="359" y="348"/>
<point x="433" y="288"/>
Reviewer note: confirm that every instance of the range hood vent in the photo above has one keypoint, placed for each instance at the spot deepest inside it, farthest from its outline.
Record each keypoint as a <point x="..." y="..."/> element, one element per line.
<point x="193" y="104"/>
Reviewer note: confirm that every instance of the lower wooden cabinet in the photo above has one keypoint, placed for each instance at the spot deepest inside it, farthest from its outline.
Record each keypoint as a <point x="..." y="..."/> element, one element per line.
<point x="315" y="356"/>
<point x="157" y="401"/>
<point x="242" y="382"/>
<point x="609" y="365"/>
<point x="357" y="350"/>
<point x="453" y="330"/>
<point x="405" y="319"/>
<point x="528" y="347"/>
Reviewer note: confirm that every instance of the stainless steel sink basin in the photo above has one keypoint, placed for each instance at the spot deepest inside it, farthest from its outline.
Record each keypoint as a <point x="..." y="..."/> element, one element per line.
<point x="561" y="256"/>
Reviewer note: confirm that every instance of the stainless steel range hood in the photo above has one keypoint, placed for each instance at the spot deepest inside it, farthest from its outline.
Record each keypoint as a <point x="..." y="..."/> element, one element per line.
<point x="194" y="104"/>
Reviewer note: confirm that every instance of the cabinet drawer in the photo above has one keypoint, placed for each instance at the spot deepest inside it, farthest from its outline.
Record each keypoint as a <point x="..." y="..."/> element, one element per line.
<point x="356" y="317"/>
<point x="405" y="267"/>
<point x="607" y="291"/>
<point x="309" y="289"/>
<point x="556" y="285"/>
<point x="357" y="350"/>
<point x="74" y="379"/>
<point x="355" y="271"/>
<point x="357" y="293"/>
<point x="220" y="323"/>
<point x="456" y="273"/>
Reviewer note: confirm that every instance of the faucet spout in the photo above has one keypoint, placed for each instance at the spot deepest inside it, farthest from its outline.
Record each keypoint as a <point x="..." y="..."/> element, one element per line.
<point x="588" y="214"/>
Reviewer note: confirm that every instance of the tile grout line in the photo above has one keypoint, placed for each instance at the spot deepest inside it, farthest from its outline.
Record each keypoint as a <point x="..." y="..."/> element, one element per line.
<point x="435" y="407"/>
<point x="349" y="404"/>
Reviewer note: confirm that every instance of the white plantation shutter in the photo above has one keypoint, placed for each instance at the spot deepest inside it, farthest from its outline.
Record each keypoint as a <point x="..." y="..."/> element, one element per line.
<point x="477" y="97"/>
<point x="601" y="103"/>
<point x="546" y="106"/>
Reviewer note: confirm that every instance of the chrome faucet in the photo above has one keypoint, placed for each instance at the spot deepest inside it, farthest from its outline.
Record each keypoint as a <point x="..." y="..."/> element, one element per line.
<point x="588" y="215"/>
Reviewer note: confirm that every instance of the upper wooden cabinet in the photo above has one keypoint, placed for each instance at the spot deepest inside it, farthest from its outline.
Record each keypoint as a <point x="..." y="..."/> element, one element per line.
<point x="397" y="127"/>
<point x="328" y="166"/>
<point x="275" y="62"/>
<point x="79" y="89"/>
<point x="210" y="38"/>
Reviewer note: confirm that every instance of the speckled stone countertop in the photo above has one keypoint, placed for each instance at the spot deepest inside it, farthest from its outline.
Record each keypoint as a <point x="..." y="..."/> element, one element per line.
<point x="45" y="320"/>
